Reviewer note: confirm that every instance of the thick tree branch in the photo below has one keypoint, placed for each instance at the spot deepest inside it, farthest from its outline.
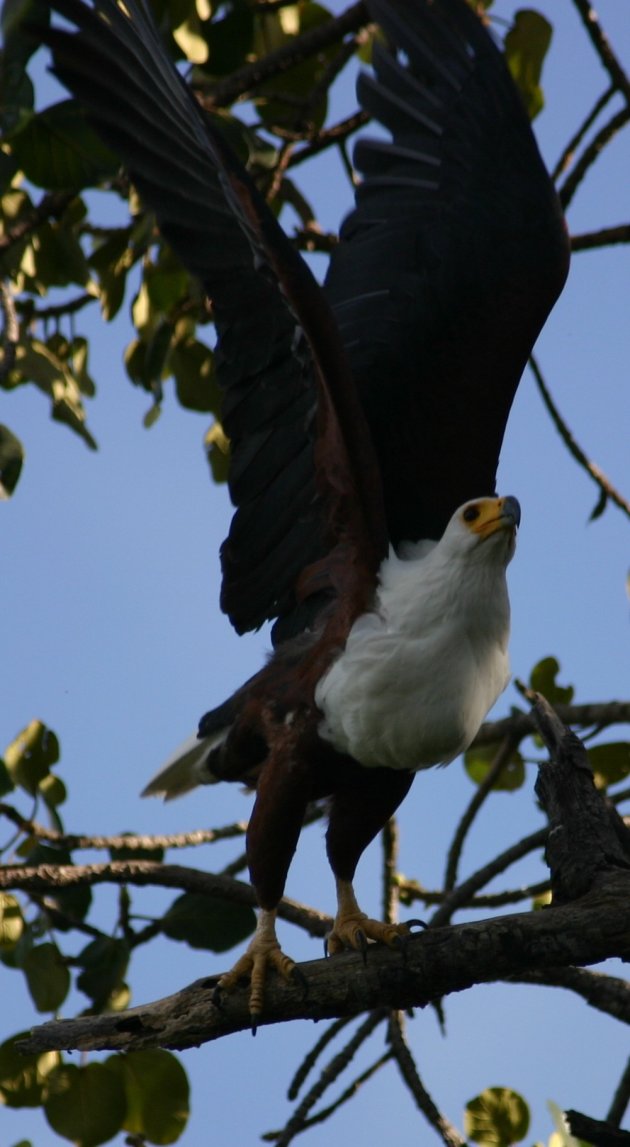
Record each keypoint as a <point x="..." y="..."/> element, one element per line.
<point x="436" y="963"/>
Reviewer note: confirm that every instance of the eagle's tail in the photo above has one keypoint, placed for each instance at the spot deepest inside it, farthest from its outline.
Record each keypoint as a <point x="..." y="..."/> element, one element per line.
<point x="187" y="767"/>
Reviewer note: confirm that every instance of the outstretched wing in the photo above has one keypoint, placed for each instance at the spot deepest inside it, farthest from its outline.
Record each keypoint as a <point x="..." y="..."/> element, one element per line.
<point x="449" y="264"/>
<point x="302" y="473"/>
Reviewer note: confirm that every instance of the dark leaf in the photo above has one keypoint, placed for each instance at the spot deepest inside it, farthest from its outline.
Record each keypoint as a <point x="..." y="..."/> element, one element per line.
<point x="543" y="680"/>
<point x="23" y="1077"/>
<point x="11" y="460"/>
<point x="478" y="761"/>
<point x="208" y="922"/>
<point x="157" y="1093"/>
<point x="192" y="364"/>
<point x="229" y="39"/>
<point x="59" y="150"/>
<point x="104" y="962"/>
<point x="85" y="1104"/>
<point x="47" y="977"/>
<point x="610" y="763"/>
<point x="29" y="757"/>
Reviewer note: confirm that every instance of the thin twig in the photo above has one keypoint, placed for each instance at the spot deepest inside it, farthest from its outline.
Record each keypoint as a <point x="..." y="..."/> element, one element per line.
<point x="607" y="237"/>
<point x="332" y="1072"/>
<point x="448" y="1133"/>
<point x="482" y="792"/>
<point x="132" y="841"/>
<point x="620" y="1099"/>
<point x="603" y="47"/>
<point x="591" y="155"/>
<point x="462" y="893"/>
<point x="410" y="890"/>
<point x="566" y="158"/>
<point x="299" y="48"/>
<point x="313" y="1055"/>
<point x="45" y="878"/>
<point x="592" y="469"/>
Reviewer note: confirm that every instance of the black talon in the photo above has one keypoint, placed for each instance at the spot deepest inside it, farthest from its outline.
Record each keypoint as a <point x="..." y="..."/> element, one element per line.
<point x="416" y="924"/>
<point x="361" y="939"/>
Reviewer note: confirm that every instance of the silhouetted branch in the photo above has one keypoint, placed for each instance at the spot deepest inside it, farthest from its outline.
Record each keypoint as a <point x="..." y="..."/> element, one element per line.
<point x="607" y="237"/>
<point x="603" y="47"/>
<point x="591" y="154"/>
<point x="596" y="1131"/>
<point x="620" y="1099"/>
<point x="247" y="78"/>
<point x="447" y="1132"/>
<point x="591" y="468"/>
<point x="566" y="158"/>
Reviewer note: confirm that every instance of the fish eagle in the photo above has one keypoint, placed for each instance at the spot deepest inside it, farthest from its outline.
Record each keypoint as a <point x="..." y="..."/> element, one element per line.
<point x="365" y="420"/>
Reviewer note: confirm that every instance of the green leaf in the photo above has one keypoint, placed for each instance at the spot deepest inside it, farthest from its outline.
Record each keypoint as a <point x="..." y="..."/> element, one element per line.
<point x="23" y="1077"/>
<point x="38" y="362"/>
<point x="497" y="1117"/>
<point x="11" y="922"/>
<point x="157" y="1093"/>
<point x="58" y="150"/>
<point x="47" y="977"/>
<point x="543" y="680"/>
<point x="104" y="962"/>
<point x="610" y="763"/>
<point x="85" y="1104"/>
<point x="229" y="40"/>
<point x="526" y="46"/>
<point x="286" y="99"/>
<point x="28" y="758"/>
<point x="192" y="364"/>
<point x="6" y="784"/>
<point x="218" y="452"/>
<point x="11" y="460"/>
<point x="208" y="922"/>
<point x="479" y="759"/>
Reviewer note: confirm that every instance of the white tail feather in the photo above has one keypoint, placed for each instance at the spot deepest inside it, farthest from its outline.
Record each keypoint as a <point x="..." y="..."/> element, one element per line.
<point x="185" y="769"/>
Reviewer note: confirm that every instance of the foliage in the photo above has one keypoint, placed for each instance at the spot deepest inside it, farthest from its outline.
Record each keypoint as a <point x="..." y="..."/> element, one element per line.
<point x="59" y="264"/>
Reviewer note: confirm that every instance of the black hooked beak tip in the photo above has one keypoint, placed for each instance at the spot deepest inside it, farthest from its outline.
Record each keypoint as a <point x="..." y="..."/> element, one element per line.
<point x="512" y="510"/>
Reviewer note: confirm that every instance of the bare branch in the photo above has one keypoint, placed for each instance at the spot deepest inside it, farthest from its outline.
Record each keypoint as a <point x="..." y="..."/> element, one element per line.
<point x="482" y="792"/>
<point x="591" y="468"/>
<point x="132" y="841"/>
<point x="606" y="993"/>
<point x="247" y="78"/>
<point x="607" y="237"/>
<point x="621" y="1098"/>
<point x="591" y="155"/>
<point x="46" y="878"/>
<point x="602" y="46"/>
<point x="437" y="962"/>
<point x="593" y="714"/>
<point x="569" y="151"/>
<point x="11" y="331"/>
<point x="448" y="1133"/>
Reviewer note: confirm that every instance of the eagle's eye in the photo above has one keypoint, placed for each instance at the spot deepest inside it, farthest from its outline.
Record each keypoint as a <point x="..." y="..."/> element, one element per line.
<point x="470" y="513"/>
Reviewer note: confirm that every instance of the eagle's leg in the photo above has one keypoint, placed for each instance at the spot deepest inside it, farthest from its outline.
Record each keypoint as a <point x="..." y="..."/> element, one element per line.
<point x="263" y="952"/>
<point x="282" y="796"/>
<point x="357" y="813"/>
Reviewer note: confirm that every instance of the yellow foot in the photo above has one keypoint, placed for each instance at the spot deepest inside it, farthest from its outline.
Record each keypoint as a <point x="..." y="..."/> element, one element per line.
<point x="263" y="953"/>
<point x="354" y="929"/>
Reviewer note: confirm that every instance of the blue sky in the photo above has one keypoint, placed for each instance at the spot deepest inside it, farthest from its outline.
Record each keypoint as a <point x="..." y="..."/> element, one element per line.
<point x="113" y="637"/>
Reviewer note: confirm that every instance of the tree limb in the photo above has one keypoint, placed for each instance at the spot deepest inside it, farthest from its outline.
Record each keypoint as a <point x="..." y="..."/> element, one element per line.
<point x="435" y="964"/>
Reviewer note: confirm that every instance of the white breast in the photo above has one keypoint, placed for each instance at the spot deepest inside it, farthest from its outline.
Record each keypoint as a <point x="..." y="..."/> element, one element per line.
<point x="419" y="674"/>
